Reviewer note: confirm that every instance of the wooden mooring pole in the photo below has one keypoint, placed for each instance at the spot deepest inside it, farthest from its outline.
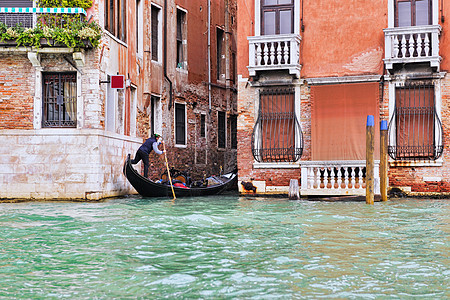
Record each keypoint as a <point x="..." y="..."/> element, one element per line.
<point x="370" y="145"/>
<point x="384" y="160"/>
<point x="294" y="193"/>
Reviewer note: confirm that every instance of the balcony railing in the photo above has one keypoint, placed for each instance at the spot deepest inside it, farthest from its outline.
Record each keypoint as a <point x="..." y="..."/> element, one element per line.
<point x="26" y="15"/>
<point x="336" y="178"/>
<point x="415" y="44"/>
<point x="274" y="52"/>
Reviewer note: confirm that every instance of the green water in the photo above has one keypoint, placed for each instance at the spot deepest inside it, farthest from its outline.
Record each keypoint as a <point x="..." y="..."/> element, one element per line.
<point x="225" y="247"/>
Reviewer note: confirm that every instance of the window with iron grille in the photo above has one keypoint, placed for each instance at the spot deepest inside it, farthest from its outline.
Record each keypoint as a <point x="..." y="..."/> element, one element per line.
<point x="415" y="131"/>
<point x="13" y="19"/>
<point x="277" y="135"/>
<point x="116" y="19"/>
<point x="181" y="19"/>
<point x="59" y="94"/>
<point x="180" y="124"/>
<point x="277" y="17"/>
<point x="155" y="32"/>
<point x="221" y="128"/>
<point x="233" y="129"/>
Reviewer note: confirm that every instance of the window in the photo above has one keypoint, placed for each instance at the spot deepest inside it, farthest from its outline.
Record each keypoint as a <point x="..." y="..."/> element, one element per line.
<point x="277" y="17"/>
<point x="12" y="19"/>
<point x="220" y="54"/>
<point x="233" y="129"/>
<point x="221" y="128"/>
<point x="180" y="124"/>
<point x="181" y="18"/>
<point x="155" y="32"/>
<point x="412" y="13"/>
<point x="277" y="135"/>
<point x="115" y="18"/>
<point x="139" y="28"/>
<point x="155" y="114"/>
<point x="415" y="129"/>
<point x="59" y="94"/>
<point x="202" y="125"/>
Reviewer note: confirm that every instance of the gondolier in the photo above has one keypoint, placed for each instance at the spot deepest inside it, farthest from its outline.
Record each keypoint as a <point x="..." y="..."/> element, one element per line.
<point x="144" y="150"/>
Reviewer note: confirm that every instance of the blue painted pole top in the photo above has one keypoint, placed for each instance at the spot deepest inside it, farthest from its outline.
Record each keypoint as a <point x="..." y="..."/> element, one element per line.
<point x="383" y="125"/>
<point x="370" y="120"/>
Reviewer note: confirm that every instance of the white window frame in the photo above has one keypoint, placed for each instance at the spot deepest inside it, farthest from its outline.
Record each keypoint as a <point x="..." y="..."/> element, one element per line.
<point x="184" y="41"/>
<point x="391" y="13"/>
<point x="282" y="165"/>
<point x="393" y="84"/>
<point x="140" y="29"/>
<point x="258" y="17"/>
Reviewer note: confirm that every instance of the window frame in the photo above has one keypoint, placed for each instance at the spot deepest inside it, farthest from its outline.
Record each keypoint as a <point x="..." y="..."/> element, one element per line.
<point x="259" y="130"/>
<point x="413" y="12"/>
<point x="140" y="28"/>
<point x="277" y="8"/>
<point x="115" y="15"/>
<point x="203" y="125"/>
<point x="220" y="54"/>
<point x="155" y="33"/>
<point x="181" y="36"/>
<point x="438" y="135"/>
<point x="180" y="126"/>
<point x="59" y="98"/>
<point x="221" y="130"/>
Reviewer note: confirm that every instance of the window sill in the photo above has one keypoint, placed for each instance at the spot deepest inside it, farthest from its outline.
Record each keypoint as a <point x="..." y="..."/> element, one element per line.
<point x="274" y="165"/>
<point x="115" y="38"/>
<point x="180" y="146"/>
<point x="416" y="163"/>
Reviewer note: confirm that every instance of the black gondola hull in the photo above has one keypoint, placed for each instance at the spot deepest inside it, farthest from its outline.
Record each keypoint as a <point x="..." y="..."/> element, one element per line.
<point x="148" y="188"/>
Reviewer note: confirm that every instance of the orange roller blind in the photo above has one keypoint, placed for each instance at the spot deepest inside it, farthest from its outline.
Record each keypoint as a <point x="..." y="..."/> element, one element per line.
<point x="338" y="125"/>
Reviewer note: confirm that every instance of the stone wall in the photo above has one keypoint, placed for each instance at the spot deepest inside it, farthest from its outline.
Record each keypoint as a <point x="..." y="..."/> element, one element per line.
<point x="79" y="164"/>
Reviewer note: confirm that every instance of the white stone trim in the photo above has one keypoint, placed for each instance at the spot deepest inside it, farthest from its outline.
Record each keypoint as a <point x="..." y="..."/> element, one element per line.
<point x="274" y="165"/>
<point x="343" y="79"/>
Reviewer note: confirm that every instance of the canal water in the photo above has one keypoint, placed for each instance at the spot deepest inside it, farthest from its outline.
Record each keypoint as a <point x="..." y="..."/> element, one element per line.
<point x="225" y="247"/>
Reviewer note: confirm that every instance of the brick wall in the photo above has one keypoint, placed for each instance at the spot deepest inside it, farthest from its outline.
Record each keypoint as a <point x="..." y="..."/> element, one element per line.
<point x="17" y="80"/>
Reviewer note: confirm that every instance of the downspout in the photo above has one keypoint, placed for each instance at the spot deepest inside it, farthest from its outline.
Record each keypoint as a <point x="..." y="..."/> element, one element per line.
<point x="209" y="56"/>
<point x="165" y="55"/>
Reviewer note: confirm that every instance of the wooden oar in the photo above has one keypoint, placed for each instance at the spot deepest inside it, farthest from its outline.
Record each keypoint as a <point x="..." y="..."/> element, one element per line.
<point x="168" y="171"/>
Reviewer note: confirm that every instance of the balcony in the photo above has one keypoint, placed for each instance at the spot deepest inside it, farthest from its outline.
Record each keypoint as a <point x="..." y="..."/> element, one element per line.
<point x="274" y="53"/>
<point x="415" y="44"/>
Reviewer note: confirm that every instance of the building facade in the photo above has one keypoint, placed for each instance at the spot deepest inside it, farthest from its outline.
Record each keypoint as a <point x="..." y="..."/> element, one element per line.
<point x="66" y="130"/>
<point x="309" y="74"/>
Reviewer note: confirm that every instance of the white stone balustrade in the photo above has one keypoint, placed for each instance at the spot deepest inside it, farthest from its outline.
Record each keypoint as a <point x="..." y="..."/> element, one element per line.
<point x="274" y="52"/>
<point x="336" y="178"/>
<point x="413" y="44"/>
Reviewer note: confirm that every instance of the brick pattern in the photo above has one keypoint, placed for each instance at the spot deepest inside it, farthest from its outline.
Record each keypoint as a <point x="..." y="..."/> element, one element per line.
<point x="16" y="92"/>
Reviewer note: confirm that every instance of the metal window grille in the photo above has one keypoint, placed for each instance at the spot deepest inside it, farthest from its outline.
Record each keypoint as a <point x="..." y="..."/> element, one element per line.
<point x="415" y="130"/>
<point x="221" y="127"/>
<point x="59" y="100"/>
<point x="180" y="124"/>
<point x="277" y="135"/>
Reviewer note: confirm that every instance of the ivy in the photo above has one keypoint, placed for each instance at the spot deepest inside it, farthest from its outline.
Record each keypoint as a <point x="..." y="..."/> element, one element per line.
<point x="65" y="3"/>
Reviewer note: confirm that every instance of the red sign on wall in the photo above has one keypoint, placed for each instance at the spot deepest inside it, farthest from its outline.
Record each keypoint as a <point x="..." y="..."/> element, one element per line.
<point x="117" y="81"/>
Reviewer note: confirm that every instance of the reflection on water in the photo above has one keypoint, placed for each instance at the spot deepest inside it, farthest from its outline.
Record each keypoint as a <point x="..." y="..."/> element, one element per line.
<point x="225" y="247"/>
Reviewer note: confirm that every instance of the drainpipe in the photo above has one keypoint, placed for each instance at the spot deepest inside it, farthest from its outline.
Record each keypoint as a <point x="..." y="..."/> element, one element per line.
<point x="209" y="56"/>
<point x="165" y="55"/>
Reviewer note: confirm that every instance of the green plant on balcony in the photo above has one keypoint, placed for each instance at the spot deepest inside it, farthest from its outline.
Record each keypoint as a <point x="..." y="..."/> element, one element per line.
<point x="61" y="29"/>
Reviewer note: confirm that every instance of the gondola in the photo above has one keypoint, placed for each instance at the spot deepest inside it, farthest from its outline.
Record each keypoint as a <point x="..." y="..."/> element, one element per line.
<point x="148" y="188"/>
